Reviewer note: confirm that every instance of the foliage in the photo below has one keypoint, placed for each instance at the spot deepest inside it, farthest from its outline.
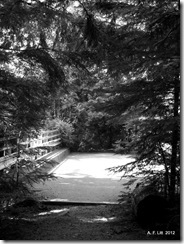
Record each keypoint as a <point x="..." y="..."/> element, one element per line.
<point x="29" y="77"/>
<point x="17" y="180"/>
<point x="150" y="86"/>
<point x="66" y="129"/>
<point x="107" y="71"/>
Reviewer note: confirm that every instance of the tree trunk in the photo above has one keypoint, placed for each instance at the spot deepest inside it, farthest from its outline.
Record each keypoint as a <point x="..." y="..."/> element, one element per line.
<point x="166" y="175"/>
<point x="174" y="144"/>
<point x="17" y="160"/>
<point x="110" y="138"/>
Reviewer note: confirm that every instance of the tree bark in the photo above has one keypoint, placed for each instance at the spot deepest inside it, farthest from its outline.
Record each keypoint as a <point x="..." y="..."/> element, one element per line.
<point x="166" y="175"/>
<point x="174" y="144"/>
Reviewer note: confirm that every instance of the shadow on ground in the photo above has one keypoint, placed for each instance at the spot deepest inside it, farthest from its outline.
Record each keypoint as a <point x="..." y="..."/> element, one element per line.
<point x="40" y="222"/>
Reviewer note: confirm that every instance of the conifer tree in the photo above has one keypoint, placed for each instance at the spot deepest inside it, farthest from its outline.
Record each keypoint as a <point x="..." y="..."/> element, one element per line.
<point x="134" y="44"/>
<point x="144" y="58"/>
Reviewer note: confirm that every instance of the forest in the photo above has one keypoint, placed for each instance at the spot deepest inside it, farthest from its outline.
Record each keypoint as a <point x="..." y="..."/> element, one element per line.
<point x="106" y="73"/>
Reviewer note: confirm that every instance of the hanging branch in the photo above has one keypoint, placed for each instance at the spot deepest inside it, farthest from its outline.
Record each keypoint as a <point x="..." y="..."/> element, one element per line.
<point x="84" y="8"/>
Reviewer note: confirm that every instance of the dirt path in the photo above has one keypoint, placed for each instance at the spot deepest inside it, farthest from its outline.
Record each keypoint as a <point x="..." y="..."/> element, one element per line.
<point x="105" y="222"/>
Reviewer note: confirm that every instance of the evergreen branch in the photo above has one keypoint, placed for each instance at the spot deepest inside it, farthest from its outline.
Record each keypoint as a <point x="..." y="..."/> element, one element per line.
<point x="167" y="35"/>
<point x="84" y="8"/>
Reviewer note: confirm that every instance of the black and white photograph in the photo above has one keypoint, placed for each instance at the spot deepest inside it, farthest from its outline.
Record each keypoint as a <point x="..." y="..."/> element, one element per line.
<point x="90" y="120"/>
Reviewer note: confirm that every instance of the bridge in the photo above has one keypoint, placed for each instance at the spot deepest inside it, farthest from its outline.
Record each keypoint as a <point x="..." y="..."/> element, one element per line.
<point x="80" y="177"/>
<point x="84" y="178"/>
<point x="47" y="142"/>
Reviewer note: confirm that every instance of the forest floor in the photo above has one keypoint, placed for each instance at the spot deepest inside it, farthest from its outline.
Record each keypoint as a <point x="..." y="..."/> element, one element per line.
<point x="74" y="223"/>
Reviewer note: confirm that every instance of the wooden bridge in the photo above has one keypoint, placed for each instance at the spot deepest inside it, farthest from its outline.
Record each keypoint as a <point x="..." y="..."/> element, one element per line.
<point x="47" y="145"/>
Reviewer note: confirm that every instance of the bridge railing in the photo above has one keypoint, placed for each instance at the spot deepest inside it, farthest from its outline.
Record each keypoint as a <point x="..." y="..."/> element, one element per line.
<point x="47" y="138"/>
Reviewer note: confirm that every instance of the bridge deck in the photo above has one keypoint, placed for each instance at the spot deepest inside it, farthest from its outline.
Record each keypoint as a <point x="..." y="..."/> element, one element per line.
<point x="57" y="155"/>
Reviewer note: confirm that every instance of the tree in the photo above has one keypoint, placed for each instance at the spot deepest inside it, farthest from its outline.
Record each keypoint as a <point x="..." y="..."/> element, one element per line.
<point x="148" y="71"/>
<point x="29" y="76"/>
<point x="128" y="50"/>
<point x="36" y="52"/>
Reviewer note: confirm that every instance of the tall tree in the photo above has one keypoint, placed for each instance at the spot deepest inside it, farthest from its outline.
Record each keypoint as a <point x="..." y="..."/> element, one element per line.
<point x="132" y="46"/>
<point x="144" y="55"/>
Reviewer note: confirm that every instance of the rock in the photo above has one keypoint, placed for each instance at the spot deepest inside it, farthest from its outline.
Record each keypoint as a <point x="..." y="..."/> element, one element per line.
<point x="29" y="202"/>
<point x="148" y="206"/>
